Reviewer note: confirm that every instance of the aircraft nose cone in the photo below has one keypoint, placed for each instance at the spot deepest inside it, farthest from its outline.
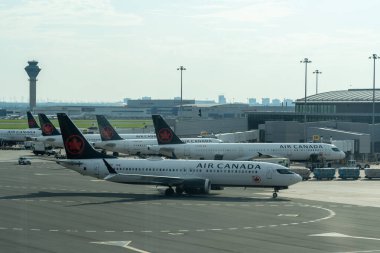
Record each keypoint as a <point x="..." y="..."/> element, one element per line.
<point x="297" y="178"/>
<point x="342" y="155"/>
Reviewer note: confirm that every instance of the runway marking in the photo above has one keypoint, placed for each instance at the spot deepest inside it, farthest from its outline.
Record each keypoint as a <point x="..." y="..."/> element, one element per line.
<point x="365" y="251"/>
<point x="288" y="215"/>
<point x="338" y="235"/>
<point x="123" y="244"/>
<point x="331" y="214"/>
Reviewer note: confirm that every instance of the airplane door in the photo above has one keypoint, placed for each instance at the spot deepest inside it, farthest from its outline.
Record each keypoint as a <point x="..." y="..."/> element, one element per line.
<point x="270" y="174"/>
<point x="289" y="153"/>
<point x="186" y="150"/>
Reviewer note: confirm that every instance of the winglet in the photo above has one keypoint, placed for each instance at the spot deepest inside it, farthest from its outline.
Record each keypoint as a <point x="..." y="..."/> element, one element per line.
<point x="164" y="134"/>
<point x="47" y="128"/>
<point x="76" y="145"/>
<point x="31" y="121"/>
<point x="107" y="132"/>
<point x="109" y="167"/>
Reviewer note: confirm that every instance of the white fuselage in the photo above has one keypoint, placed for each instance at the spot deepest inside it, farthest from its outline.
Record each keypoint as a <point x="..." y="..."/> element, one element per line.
<point x="56" y="140"/>
<point x="248" y="151"/>
<point x="18" y="134"/>
<point x="221" y="173"/>
<point x="140" y="146"/>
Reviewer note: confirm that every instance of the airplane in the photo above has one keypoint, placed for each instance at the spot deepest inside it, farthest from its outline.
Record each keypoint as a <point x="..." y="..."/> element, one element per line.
<point x="189" y="176"/>
<point x="13" y="136"/>
<point x="112" y="141"/>
<point x="171" y="146"/>
<point x="51" y="136"/>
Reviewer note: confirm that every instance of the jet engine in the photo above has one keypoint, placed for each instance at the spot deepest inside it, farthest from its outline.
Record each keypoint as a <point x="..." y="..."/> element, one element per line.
<point x="193" y="186"/>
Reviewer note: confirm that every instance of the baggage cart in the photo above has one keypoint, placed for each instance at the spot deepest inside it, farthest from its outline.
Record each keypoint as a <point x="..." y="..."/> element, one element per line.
<point x="349" y="172"/>
<point x="372" y="173"/>
<point x="302" y="171"/>
<point x="324" y="173"/>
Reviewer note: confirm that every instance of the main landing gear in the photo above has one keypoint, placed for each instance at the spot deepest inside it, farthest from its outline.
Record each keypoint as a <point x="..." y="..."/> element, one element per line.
<point x="169" y="191"/>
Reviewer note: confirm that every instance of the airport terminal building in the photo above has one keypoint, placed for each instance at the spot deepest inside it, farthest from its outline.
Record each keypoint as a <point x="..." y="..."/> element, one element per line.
<point x="353" y="105"/>
<point x="334" y="115"/>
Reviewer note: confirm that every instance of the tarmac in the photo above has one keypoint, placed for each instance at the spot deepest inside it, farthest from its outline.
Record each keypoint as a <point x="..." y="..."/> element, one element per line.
<point x="47" y="208"/>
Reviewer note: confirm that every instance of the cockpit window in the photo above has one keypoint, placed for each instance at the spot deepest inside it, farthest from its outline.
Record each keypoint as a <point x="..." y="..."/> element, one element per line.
<point x="335" y="149"/>
<point x="284" y="171"/>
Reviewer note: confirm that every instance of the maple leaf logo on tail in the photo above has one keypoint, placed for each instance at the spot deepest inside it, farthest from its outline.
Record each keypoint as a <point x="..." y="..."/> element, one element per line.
<point x="106" y="133"/>
<point x="165" y="135"/>
<point x="47" y="129"/>
<point x="31" y="123"/>
<point x="74" y="145"/>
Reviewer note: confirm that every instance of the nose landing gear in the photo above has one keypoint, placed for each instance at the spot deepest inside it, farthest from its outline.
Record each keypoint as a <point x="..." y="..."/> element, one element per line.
<point x="277" y="189"/>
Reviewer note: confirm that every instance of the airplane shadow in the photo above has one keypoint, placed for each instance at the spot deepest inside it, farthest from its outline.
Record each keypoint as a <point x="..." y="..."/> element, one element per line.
<point x="139" y="197"/>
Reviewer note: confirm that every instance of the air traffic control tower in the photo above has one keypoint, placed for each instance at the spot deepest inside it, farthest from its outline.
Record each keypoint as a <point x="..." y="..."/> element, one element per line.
<point x="32" y="69"/>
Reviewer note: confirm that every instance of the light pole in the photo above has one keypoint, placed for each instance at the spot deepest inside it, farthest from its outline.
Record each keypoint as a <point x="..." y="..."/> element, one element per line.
<point x="306" y="61"/>
<point x="374" y="57"/>
<point x="181" y="68"/>
<point x="316" y="72"/>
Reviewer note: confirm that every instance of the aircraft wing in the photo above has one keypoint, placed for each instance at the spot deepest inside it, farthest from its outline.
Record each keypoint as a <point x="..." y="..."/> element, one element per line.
<point x="107" y="144"/>
<point x="50" y="139"/>
<point x="167" y="151"/>
<point x="67" y="162"/>
<point x="254" y="156"/>
<point x="146" y="179"/>
<point x="260" y="155"/>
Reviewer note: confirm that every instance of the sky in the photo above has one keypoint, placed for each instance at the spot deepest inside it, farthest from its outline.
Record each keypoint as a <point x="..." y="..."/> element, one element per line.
<point x="107" y="50"/>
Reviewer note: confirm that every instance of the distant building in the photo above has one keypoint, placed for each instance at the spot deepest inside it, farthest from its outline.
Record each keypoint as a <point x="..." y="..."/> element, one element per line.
<point x="252" y="101"/>
<point x="146" y="98"/>
<point x="222" y="99"/>
<point x="166" y="107"/>
<point x="265" y="101"/>
<point x="288" y="102"/>
<point x="276" y="102"/>
<point x="125" y="100"/>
